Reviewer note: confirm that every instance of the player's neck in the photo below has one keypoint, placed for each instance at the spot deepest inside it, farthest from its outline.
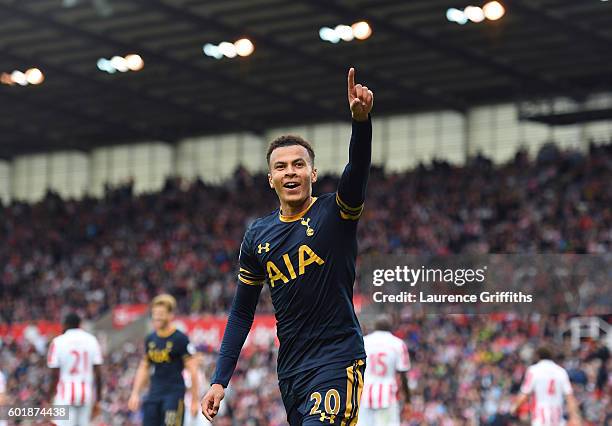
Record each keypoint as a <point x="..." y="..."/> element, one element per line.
<point x="289" y="210"/>
<point x="166" y="331"/>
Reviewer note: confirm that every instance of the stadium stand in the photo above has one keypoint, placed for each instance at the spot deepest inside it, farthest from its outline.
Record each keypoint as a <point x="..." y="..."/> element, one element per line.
<point x="93" y="254"/>
<point x="96" y="253"/>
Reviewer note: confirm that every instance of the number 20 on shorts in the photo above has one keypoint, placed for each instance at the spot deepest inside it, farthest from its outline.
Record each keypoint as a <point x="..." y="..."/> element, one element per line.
<point x="332" y="405"/>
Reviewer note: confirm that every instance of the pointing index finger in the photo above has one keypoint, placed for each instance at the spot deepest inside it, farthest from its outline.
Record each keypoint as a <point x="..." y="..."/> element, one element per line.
<point x="351" y="80"/>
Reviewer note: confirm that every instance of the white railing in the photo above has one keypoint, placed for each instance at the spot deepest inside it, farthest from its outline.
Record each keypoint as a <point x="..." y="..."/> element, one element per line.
<point x="589" y="327"/>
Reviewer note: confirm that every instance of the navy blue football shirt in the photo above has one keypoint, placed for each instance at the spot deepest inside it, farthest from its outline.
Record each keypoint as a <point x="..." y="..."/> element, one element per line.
<point x="308" y="260"/>
<point x="167" y="355"/>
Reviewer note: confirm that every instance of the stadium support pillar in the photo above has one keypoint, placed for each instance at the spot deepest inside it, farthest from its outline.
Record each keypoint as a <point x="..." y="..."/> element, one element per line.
<point x="575" y="329"/>
<point x="584" y="142"/>
<point x="385" y="142"/>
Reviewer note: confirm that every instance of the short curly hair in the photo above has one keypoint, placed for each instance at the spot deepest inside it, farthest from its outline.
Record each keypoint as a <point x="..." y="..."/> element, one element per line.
<point x="289" y="140"/>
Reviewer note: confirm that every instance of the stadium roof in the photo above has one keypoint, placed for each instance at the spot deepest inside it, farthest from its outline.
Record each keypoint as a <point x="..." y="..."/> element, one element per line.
<point x="415" y="60"/>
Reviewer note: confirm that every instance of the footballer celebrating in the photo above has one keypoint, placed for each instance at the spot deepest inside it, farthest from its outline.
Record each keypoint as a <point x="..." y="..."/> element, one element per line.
<point x="306" y="251"/>
<point x="168" y="350"/>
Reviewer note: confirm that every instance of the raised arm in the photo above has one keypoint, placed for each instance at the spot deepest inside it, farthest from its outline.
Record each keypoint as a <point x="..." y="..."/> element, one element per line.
<point x="352" y="186"/>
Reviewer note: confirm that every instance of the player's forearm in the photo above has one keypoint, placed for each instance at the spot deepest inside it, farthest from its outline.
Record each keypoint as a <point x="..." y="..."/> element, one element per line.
<point x="238" y="326"/>
<point x="405" y="387"/>
<point x="353" y="183"/>
<point x="519" y="401"/>
<point x="192" y="367"/>
<point x="99" y="387"/>
<point x="53" y="384"/>
<point x="140" y="379"/>
<point x="572" y="407"/>
<point x="195" y="393"/>
<point x="52" y="390"/>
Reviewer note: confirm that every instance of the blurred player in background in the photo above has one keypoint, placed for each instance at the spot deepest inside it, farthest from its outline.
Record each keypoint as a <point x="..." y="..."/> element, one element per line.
<point x="387" y="359"/>
<point x="169" y="352"/>
<point x="198" y="418"/>
<point x="76" y="379"/>
<point x="550" y="385"/>
<point x="3" y="398"/>
<point x="306" y="250"/>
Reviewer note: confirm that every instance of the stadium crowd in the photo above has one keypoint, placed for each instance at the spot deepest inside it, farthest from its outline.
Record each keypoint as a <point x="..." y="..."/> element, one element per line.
<point x="92" y="254"/>
<point x="465" y="370"/>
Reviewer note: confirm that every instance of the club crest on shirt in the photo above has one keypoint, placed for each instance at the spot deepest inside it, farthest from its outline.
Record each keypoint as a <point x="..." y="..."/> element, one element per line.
<point x="309" y="230"/>
<point x="160" y="355"/>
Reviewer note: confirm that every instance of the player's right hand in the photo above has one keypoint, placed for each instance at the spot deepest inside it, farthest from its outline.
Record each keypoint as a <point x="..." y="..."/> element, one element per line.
<point x="134" y="402"/>
<point x="212" y="400"/>
<point x="95" y="412"/>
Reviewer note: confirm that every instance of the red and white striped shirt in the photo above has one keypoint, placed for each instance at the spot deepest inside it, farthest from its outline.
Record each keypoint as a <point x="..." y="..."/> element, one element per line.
<point x="549" y="384"/>
<point x="387" y="355"/>
<point x="75" y="353"/>
<point x="3" y="387"/>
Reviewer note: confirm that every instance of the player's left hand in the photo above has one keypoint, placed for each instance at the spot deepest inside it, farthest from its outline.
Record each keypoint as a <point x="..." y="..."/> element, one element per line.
<point x="360" y="98"/>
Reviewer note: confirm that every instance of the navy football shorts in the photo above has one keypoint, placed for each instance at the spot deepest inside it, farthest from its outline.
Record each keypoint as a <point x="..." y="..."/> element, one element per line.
<point x="166" y="410"/>
<point x="324" y="395"/>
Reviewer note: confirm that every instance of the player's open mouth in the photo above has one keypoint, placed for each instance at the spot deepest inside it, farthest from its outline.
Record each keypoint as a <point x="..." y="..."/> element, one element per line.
<point x="291" y="185"/>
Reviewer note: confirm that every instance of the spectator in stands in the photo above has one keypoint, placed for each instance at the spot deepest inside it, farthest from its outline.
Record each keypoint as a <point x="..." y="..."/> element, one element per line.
<point x="91" y="255"/>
